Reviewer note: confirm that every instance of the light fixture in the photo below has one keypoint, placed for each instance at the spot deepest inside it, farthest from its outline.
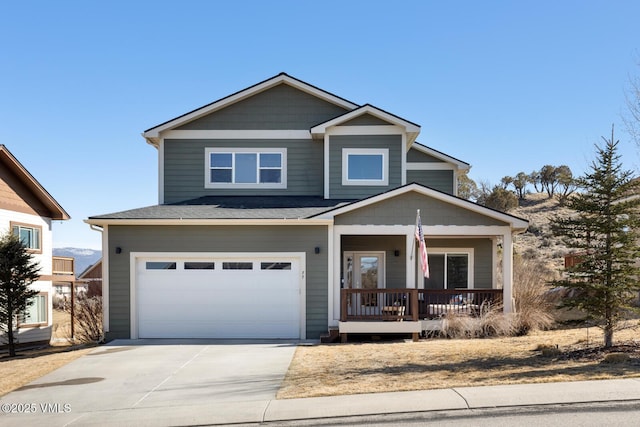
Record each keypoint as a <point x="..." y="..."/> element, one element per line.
<point x="317" y="249"/>
<point x="396" y="252"/>
<point x="118" y="250"/>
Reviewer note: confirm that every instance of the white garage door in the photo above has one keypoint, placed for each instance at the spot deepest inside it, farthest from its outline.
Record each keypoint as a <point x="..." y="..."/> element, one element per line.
<point x="209" y="297"/>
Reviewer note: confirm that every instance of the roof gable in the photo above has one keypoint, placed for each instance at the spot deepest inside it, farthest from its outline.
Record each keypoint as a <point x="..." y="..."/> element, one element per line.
<point x="438" y="155"/>
<point x="22" y="191"/>
<point x="411" y="129"/>
<point x="518" y="224"/>
<point x="152" y="135"/>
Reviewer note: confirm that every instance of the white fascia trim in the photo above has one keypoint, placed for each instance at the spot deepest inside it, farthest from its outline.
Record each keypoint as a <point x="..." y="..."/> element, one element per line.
<point x="326" y="167"/>
<point x="414" y="166"/>
<point x="160" y="171"/>
<point x="407" y="127"/>
<point x="459" y="164"/>
<point x="518" y="224"/>
<point x="430" y="231"/>
<point x="403" y="161"/>
<point x="133" y="286"/>
<point x="281" y="78"/>
<point x="237" y="134"/>
<point x="365" y="130"/>
<point x="225" y="222"/>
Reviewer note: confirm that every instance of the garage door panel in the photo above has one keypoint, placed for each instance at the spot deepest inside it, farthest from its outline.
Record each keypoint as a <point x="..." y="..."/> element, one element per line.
<point x="263" y="302"/>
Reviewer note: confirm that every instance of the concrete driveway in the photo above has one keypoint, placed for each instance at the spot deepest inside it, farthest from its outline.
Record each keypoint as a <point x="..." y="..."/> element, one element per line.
<point x="155" y="382"/>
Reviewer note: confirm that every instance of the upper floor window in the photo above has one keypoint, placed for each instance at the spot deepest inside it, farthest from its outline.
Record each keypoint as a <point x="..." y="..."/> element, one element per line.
<point x="246" y="168"/>
<point x="363" y="166"/>
<point x="30" y="235"/>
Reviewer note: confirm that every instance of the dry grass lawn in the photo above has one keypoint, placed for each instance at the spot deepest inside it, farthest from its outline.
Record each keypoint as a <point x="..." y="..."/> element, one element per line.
<point x="338" y="369"/>
<point x="30" y="365"/>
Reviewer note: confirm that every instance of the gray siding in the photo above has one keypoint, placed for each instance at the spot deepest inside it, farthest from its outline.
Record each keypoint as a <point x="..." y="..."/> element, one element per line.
<point x="483" y="254"/>
<point x="338" y="142"/>
<point x="184" y="168"/>
<point x="366" y="120"/>
<point x="217" y="239"/>
<point x="401" y="210"/>
<point x="418" y="156"/>
<point x="441" y="180"/>
<point x="281" y="107"/>
<point x="395" y="272"/>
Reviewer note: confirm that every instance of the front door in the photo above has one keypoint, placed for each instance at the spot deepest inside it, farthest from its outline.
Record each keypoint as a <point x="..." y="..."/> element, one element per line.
<point x="364" y="270"/>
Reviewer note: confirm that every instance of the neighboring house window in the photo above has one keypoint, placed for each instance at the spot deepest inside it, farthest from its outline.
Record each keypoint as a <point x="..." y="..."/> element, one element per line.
<point x="36" y="313"/>
<point x="362" y="166"/>
<point x="450" y="269"/>
<point x="30" y="235"/>
<point x="246" y="168"/>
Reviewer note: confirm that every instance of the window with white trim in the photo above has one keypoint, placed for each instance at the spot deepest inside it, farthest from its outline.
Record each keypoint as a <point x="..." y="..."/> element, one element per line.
<point x="36" y="313"/>
<point x="365" y="166"/>
<point x="29" y="235"/>
<point x="246" y="168"/>
<point x="450" y="269"/>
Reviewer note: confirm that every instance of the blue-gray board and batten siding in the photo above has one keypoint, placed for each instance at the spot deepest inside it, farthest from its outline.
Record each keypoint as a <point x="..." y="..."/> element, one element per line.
<point x="220" y="239"/>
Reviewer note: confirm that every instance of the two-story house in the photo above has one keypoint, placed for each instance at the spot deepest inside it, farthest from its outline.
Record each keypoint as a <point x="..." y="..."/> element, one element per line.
<point x="27" y="209"/>
<point x="285" y="211"/>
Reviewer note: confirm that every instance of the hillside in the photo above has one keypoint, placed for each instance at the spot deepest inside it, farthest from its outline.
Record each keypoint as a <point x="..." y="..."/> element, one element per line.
<point x="538" y="242"/>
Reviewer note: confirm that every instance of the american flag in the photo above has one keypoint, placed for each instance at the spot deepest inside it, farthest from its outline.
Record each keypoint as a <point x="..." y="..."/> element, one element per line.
<point x="424" y="262"/>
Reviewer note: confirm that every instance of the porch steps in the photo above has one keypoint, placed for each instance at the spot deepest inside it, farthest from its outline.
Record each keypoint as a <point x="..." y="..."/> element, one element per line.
<point x="332" y="336"/>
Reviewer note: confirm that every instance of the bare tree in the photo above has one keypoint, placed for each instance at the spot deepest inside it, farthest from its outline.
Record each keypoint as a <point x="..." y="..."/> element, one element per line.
<point x="632" y="118"/>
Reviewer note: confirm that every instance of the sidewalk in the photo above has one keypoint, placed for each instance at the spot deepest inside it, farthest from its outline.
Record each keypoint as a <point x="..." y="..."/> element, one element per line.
<point x="368" y="404"/>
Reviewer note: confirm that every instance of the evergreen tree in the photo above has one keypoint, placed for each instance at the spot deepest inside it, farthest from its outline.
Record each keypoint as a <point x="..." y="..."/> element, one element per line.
<point x="17" y="272"/>
<point x="605" y="230"/>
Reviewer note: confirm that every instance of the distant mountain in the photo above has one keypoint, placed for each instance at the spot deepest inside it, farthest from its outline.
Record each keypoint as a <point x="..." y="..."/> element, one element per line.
<point x="83" y="257"/>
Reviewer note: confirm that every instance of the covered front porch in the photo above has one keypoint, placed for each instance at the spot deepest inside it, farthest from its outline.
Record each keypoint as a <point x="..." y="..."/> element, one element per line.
<point x="409" y="311"/>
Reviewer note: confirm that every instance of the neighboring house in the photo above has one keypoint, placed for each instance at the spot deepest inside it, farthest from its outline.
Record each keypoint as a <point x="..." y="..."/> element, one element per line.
<point x="27" y="209"/>
<point x="91" y="277"/>
<point x="286" y="211"/>
<point x="64" y="278"/>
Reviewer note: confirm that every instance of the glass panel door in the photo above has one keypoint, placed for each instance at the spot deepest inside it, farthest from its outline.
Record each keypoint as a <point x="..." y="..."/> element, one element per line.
<point x="364" y="271"/>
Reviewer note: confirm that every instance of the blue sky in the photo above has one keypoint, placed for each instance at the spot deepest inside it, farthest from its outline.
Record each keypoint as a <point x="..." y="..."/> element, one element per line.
<point x="507" y="86"/>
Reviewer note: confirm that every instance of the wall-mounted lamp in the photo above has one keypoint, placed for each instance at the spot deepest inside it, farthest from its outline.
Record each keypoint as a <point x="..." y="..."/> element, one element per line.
<point x="118" y="250"/>
<point x="396" y="252"/>
<point x="317" y="249"/>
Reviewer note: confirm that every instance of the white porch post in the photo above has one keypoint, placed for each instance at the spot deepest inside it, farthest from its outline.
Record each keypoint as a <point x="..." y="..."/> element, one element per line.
<point x="507" y="272"/>
<point x="410" y="260"/>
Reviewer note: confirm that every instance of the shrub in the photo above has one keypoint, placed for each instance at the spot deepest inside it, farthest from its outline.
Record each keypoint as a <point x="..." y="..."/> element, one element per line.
<point x="88" y="319"/>
<point x="534" y="306"/>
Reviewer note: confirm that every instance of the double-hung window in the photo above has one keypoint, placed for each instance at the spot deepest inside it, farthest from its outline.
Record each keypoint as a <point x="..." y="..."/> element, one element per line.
<point x="363" y="166"/>
<point x="246" y="168"/>
<point x="29" y="235"/>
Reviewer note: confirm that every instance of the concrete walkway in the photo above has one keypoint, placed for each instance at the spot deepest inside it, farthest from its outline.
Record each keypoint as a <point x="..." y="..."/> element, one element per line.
<point x="200" y="384"/>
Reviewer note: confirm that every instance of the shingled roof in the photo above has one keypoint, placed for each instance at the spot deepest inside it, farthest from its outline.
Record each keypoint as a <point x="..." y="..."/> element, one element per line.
<point x="231" y="207"/>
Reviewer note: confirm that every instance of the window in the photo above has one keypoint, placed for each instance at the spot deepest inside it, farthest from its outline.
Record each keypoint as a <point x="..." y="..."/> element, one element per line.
<point x="450" y="269"/>
<point x="36" y="313"/>
<point x="362" y="166"/>
<point x="194" y="265"/>
<point x="30" y="235"/>
<point x="161" y="265"/>
<point x="237" y="266"/>
<point x="246" y="168"/>
<point x="275" y="266"/>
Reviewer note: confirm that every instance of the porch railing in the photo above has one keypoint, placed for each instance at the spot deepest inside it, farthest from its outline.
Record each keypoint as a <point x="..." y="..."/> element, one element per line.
<point x="414" y="304"/>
